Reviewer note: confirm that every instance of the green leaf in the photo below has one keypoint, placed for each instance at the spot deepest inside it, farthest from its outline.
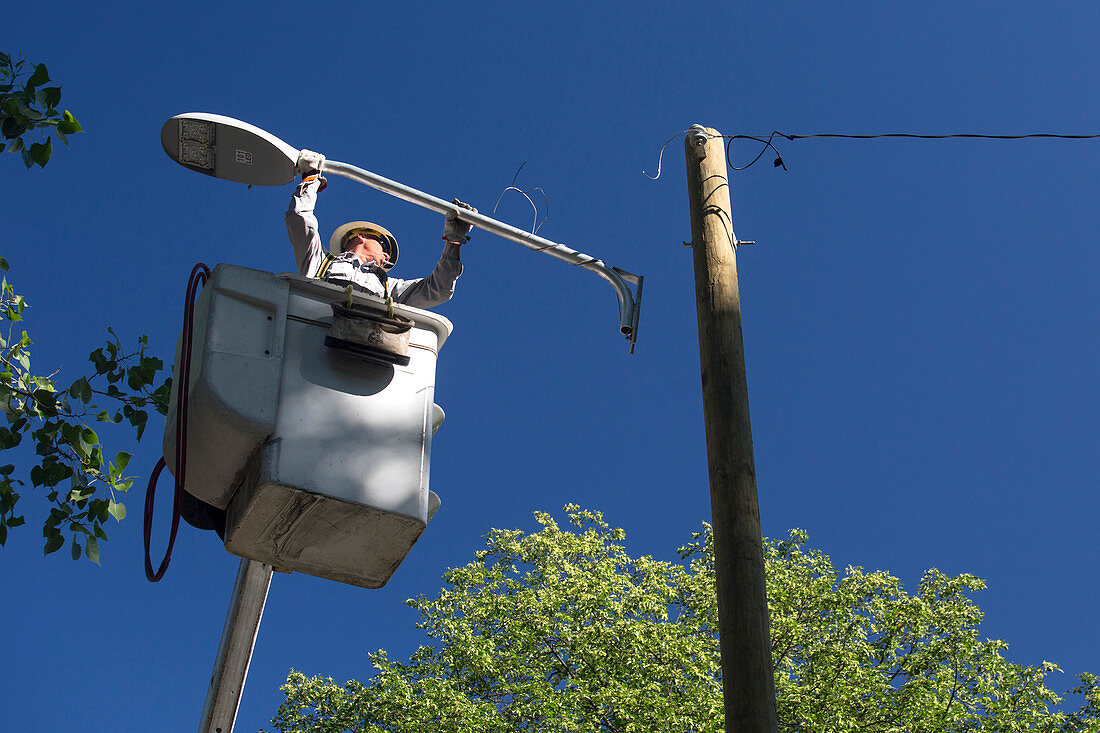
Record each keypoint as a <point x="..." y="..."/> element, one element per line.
<point x="81" y="390"/>
<point x="75" y="549"/>
<point x="53" y="473"/>
<point x="162" y="395"/>
<point x="80" y="492"/>
<point x="54" y="542"/>
<point x="69" y="124"/>
<point x="117" y="510"/>
<point x="70" y="433"/>
<point x="89" y="436"/>
<point x="48" y="97"/>
<point x="41" y="152"/>
<point x="138" y="419"/>
<point x="38" y="78"/>
<point x="121" y="461"/>
<point x="135" y="378"/>
<point x="46" y="400"/>
<point x="97" y="511"/>
<point x="91" y="549"/>
<point x="12" y="127"/>
<point x="9" y="439"/>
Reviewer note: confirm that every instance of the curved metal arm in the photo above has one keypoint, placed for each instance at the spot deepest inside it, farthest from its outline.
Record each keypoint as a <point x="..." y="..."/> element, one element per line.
<point x="630" y="308"/>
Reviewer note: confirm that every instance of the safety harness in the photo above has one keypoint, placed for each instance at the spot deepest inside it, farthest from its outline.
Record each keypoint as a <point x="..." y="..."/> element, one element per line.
<point x="323" y="270"/>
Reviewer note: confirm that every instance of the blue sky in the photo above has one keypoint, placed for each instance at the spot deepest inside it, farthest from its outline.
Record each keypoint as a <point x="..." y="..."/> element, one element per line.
<point x="919" y="317"/>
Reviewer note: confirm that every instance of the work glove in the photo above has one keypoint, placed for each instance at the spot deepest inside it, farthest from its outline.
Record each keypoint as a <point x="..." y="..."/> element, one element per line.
<point x="309" y="162"/>
<point x="454" y="229"/>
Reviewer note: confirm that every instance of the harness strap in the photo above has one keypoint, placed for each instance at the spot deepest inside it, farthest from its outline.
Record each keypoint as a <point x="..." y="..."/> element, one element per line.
<point x="325" y="263"/>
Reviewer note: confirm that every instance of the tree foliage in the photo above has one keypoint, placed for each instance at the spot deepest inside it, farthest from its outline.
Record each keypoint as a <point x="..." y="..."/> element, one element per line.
<point x="82" y="486"/>
<point x="562" y="630"/>
<point x="28" y="105"/>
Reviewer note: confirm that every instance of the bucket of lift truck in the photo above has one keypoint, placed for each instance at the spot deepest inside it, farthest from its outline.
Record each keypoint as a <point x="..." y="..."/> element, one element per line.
<point x="318" y="456"/>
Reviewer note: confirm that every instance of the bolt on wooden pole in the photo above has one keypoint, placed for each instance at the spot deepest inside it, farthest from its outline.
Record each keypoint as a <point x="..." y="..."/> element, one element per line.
<point x="748" y="685"/>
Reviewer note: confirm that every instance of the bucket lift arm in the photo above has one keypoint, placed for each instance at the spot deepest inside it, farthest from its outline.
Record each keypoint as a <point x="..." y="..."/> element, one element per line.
<point x="227" y="148"/>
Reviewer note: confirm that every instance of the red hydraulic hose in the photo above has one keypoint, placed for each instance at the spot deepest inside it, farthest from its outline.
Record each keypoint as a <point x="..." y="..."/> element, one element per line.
<point x="199" y="275"/>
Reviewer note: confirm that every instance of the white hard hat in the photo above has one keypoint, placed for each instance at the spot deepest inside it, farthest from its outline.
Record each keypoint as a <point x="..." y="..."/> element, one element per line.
<point x="389" y="242"/>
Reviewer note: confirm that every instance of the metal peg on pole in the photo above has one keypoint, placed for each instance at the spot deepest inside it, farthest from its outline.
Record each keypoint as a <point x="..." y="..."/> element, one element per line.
<point x="748" y="685"/>
<point x="242" y="623"/>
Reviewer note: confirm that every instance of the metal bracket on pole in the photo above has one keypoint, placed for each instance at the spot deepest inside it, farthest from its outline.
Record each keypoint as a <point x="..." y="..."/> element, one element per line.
<point x="636" y="281"/>
<point x="629" y="303"/>
<point x="242" y="623"/>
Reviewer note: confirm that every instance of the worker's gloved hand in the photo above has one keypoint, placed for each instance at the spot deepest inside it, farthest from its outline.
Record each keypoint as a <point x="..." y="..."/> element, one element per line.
<point x="309" y="162"/>
<point x="454" y="229"/>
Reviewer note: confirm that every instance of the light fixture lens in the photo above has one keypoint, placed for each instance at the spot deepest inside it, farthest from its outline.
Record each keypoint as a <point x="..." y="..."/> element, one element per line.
<point x="197" y="130"/>
<point x="196" y="154"/>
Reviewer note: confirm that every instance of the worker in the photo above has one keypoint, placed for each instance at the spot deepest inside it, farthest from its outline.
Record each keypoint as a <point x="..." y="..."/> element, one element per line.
<point x="361" y="253"/>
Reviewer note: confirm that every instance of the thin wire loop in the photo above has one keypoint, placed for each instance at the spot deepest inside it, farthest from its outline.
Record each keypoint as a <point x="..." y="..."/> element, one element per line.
<point x="767" y="144"/>
<point x="660" y="157"/>
<point x="535" y="223"/>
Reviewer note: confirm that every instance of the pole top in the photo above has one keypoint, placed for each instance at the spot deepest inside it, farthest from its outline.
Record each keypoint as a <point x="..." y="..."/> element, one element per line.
<point x="697" y="136"/>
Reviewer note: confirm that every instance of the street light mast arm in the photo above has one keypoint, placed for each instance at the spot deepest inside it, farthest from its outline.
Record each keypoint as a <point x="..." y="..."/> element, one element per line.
<point x="618" y="279"/>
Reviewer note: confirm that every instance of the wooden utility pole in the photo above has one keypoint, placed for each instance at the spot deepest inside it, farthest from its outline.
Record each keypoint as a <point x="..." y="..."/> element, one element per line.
<point x="748" y="686"/>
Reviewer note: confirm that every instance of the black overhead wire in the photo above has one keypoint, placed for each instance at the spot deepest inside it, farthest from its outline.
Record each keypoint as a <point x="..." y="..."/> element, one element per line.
<point x="978" y="135"/>
<point x="778" y="162"/>
<point x="909" y="135"/>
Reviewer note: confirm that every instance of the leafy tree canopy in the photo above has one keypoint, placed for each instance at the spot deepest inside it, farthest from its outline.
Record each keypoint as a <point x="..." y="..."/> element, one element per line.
<point x="562" y="630"/>
<point x="27" y="105"/>
<point x="81" y="484"/>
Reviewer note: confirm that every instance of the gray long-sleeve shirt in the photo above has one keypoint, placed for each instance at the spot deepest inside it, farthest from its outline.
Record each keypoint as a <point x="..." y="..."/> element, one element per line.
<point x="424" y="292"/>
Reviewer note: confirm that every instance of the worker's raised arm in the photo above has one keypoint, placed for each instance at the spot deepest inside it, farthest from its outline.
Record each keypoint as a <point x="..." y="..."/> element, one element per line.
<point x="301" y="224"/>
<point x="437" y="288"/>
